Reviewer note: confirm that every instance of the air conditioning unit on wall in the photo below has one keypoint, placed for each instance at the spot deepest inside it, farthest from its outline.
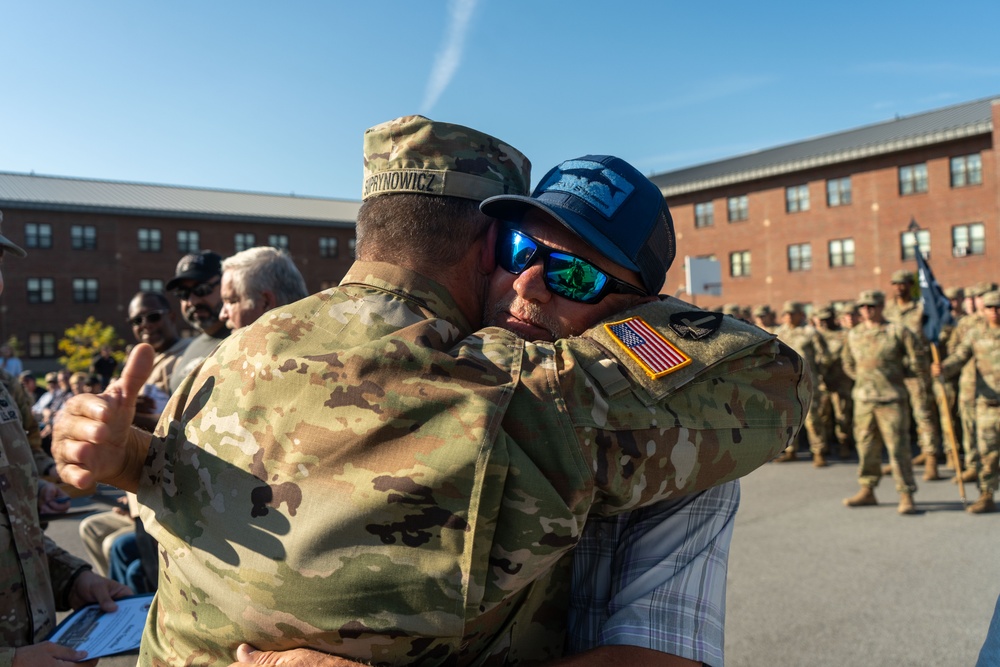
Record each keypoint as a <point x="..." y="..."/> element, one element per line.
<point x="960" y="251"/>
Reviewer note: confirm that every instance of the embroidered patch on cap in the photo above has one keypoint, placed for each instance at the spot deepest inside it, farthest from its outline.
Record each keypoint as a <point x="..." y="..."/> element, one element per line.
<point x="695" y="324"/>
<point x="651" y="350"/>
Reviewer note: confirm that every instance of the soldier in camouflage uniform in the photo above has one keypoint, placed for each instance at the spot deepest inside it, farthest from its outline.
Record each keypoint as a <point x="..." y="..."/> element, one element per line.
<point x="36" y="576"/>
<point x="355" y="474"/>
<point x="968" y="329"/>
<point x="906" y="310"/>
<point x="804" y="339"/>
<point x="875" y="356"/>
<point x="836" y="387"/>
<point x="983" y="352"/>
<point x="763" y="317"/>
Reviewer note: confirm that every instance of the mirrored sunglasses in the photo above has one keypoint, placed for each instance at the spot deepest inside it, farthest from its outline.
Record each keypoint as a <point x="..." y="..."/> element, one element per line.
<point x="152" y="317"/>
<point x="204" y="289"/>
<point x="566" y="275"/>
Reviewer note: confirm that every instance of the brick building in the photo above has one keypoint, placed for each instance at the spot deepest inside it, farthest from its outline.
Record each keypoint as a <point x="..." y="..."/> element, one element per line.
<point x="820" y="220"/>
<point x="92" y="244"/>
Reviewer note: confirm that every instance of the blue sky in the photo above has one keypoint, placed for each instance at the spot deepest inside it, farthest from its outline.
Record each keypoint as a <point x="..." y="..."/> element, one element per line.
<point x="275" y="97"/>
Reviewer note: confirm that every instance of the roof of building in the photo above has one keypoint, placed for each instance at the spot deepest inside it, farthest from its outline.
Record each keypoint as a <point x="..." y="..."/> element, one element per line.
<point x="49" y="193"/>
<point x="947" y="124"/>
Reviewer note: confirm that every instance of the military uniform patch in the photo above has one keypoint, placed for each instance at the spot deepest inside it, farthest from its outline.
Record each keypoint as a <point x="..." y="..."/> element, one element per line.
<point x="652" y="351"/>
<point x="695" y="324"/>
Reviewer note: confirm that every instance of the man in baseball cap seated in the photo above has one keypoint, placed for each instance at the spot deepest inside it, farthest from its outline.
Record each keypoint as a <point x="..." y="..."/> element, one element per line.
<point x="196" y="286"/>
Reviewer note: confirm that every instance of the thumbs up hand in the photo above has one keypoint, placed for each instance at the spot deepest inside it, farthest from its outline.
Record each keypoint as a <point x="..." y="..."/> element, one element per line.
<point x="93" y="439"/>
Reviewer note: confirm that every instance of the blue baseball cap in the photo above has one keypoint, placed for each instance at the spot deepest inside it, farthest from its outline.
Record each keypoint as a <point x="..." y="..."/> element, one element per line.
<point x="609" y="204"/>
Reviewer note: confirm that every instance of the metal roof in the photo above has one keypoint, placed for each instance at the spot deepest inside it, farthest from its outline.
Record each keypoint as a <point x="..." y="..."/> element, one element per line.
<point x="947" y="124"/>
<point x="117" y="197"/>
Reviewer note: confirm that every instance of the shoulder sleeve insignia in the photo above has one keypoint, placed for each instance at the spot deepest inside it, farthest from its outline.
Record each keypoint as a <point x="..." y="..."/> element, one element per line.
<point x="695" y="324"/>
<point x="651" y="350"/>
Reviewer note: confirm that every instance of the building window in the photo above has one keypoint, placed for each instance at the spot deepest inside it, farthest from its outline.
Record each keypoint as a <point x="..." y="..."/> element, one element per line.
<point x="352" y="246"/>
<point x="910" y="240"/>
<point x="841" y="252"/>
<point x="797" y="198"/>
<point x="85" y="290"/>
<point x="151" y="240"/>
<point x="966" y="170"/>
<point x="704" y="214"/>
<point x="83" y="237"/>
<point x="37" y="235"/>
<point x="243" y="240"/>
<point x="41" y="290"/>
<point x="328" y="246"/>
<point x="838" y="191"/>
<point x="739" y="263"/>
<point x="150" y="285"/>
<point x="968" y="239"/>
<point x="913" y="179"/>
<point x="41" y="344"/>
<point x="739" y="208"/>
<point x="279" y="241"/>
<point x="800" y="257"/>
<point x="188" y="241"/>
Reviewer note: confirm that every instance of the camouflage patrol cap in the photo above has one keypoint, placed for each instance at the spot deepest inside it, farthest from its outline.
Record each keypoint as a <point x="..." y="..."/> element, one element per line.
<point x="846" y="307"/>
<point x="902" y="277"/>
<point x="762" y="310"/>
<point x="9" y="245"/>
<point x="731" y="309"/>
<point x="791" y="307"/>
<point x="416" y="155"/>
<point x="954" y="293"/>
<point x="871" y="297"/>
<point x="984" y="287"/>
<point x="824" y="313"/>
<point x="991" y="299"/>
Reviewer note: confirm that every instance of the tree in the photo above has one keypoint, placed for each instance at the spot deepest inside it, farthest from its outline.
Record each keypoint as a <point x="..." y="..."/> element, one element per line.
<point x="82" y="341"/>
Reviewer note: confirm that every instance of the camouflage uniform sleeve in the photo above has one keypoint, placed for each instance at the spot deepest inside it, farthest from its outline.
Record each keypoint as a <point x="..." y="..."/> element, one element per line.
<point x="917" y="353"/>
<point x="847" y="358"/>
<point x="42" y="460"/>
<point x="64" y="568"/>
<point x="952" y="365"/>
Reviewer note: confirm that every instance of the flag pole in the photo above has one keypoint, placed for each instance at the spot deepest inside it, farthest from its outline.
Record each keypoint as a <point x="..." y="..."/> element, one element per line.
<point x="949" y="427"/>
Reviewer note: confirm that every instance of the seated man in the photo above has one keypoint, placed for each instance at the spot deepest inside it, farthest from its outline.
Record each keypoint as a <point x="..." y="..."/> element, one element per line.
<point x="356" y="477"/>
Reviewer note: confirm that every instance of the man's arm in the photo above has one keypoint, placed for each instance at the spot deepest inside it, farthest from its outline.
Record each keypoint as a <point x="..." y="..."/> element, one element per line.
<point x="94" y="440"/>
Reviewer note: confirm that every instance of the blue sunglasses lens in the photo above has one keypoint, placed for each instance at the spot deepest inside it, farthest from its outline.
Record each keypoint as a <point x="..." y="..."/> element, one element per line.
<point x="571" y="277"/>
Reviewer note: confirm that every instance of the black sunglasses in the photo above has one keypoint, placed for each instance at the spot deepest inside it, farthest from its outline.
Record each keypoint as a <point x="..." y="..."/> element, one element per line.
<point x="152" y="317"/>
<point x="567" y="275"/>
<point x="204" y="289"/>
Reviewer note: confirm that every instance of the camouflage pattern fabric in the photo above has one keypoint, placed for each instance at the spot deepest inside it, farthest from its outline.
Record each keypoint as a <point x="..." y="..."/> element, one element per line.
<point x="354" y="474"/>
<point x="33" y="570"/>
<point x="918" y="386"/>
<point x="42" y="460"/>
<point x="982" y="353"/>
<point x="967" y="329"/>
<point x="877" y="358"/>
<point x="811" y="346"/>
<point x="837" y="384"/>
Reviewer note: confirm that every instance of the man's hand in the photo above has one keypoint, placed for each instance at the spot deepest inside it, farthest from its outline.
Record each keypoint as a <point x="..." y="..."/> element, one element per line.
<point x="90" y="588"/>
<point x="48" y="654"/>
<point x="51" y="499"/>
<point x="296" y="657"/>
<point x="94" y="441"/>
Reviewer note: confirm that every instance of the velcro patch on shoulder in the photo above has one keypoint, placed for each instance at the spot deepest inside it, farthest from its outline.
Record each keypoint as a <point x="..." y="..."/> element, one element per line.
<point x="654" y="353"/>
<point x="695" y="324"/>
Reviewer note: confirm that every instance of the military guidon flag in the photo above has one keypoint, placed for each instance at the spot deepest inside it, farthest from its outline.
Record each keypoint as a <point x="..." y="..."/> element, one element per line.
<point x="651" y="350"/>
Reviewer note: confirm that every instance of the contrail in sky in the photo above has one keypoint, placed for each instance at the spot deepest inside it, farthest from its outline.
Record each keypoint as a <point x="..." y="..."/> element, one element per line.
<point x="450" y="56"/>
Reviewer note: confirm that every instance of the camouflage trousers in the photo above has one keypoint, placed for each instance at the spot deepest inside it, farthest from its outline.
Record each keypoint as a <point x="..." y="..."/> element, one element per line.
<point x="924" y="414"/>
<point x="835" y="414"/>
<point x="815" y="427"/>
<point x="878" y="424"/>
<point x="988" y="439"/>
<point x="967" y="417"/>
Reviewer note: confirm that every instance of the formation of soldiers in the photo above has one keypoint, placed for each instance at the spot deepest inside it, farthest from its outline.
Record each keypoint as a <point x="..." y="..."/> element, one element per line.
<point x="879" y="380"/>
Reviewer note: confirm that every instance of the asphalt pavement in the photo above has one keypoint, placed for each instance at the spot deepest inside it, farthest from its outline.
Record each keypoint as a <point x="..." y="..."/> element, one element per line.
<point x="813" y="583"/>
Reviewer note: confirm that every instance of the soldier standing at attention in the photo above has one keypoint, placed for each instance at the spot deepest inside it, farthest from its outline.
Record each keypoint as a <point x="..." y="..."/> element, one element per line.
<point x="804" y="339"/>
<point x="983" y="352"/>
<point x="763" y="317"/>
<point x="838" y="386"/>
<point x="904" y="309"/>
<point x="875" y="356"/>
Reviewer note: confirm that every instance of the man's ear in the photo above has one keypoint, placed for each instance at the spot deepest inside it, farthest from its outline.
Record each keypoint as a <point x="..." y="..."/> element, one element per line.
<point x="268" y="299"/>
<point x="488" y="256"/>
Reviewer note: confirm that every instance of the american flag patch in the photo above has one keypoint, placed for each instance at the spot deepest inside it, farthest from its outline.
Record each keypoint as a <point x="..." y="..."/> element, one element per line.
<point x="653" y="352"/>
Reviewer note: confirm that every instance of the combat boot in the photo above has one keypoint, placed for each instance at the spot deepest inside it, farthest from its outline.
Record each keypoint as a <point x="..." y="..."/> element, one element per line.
<point x="844" y="451"/>
<point x="786" y="456"/>
<point x="906" y="504"/>
<point x="919" y="459"/>
<point x="887" y="469"/>
<point x="931" y="470"/>
<point x="866" y="496"/>
<point x="968" y="475"/>
<point x="819" y="461"/>
<point x="984" y="505"/>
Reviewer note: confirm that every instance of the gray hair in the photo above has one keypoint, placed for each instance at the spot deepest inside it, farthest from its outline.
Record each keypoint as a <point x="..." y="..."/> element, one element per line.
<point x="256" y="270"/>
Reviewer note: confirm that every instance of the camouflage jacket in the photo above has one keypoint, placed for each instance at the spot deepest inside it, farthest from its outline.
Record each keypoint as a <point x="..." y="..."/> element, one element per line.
<point x="833" y="375"/>
<point x="982" y="352"/>
<point x="967" y="328"/>
<point x="13" y="385"/>
<point x="810" y="345"/>
<point x="356" y="474"/>
<point x="878" y="358"/>
<point x="909" y="315"/>
<point x="31" y="565"/>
